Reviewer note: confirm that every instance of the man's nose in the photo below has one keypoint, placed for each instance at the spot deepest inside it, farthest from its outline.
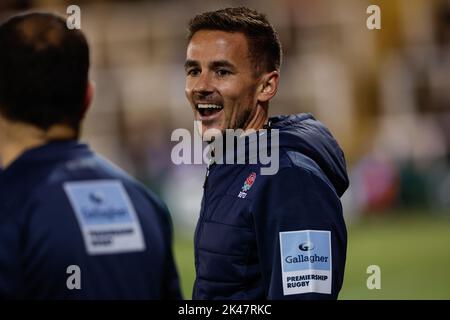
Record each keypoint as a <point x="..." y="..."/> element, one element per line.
<point x="203" y="85"/>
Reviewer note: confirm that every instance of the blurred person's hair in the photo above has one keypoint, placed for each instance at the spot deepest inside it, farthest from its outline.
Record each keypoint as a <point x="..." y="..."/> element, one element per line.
<point x="263" y="42"/>
<point x="442" y="21"/>
<point x="43" y="71"/>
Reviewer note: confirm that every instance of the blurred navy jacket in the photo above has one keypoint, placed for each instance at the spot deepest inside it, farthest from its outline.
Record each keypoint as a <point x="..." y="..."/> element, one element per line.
<point x="279" y="236"/>
<point x="73" y="226"/>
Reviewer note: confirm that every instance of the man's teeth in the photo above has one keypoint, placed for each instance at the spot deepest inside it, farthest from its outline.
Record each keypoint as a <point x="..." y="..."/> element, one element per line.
<point x="209" y="106"/>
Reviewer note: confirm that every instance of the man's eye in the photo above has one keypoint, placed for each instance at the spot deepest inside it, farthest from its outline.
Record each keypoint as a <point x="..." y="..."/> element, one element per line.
<point x="223" y="72"/>
<point x="193" y="72"/>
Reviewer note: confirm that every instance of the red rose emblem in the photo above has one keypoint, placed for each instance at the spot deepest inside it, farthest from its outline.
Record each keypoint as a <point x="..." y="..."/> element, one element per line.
<point x="250" y="179"/>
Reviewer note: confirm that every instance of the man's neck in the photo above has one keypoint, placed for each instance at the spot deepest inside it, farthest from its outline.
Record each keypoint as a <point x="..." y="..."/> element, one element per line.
<point x="19" y="137"/>
<point x="259" y="119"/>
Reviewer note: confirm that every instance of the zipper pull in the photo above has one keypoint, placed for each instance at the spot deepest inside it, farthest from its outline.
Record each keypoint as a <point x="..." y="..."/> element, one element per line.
<point x="211" y="162"/>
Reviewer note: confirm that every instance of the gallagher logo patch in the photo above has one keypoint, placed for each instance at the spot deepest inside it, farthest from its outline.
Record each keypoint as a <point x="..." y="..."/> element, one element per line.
<point x="107" y="218"/>
<point x="306" y="261"/>
<point x="247" y="185"/>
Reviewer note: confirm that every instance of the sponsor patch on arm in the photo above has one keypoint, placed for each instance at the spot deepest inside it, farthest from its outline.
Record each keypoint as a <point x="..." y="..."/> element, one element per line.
<point x="306" y="261"/>
<point x="106" y="216"/>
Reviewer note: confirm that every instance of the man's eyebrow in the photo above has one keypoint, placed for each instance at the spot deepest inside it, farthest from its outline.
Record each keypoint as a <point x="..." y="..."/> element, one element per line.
<point x="221" y="63"/>
<point x="212" y="65"/>
<point x="190" y="63"/>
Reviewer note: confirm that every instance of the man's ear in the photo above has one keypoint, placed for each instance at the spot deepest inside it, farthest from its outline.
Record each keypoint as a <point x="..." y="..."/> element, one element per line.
<point x="88" y="97"/>
<point x="268" y="86"/>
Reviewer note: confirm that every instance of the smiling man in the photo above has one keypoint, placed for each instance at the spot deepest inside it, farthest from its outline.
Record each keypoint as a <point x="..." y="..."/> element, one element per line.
<point x="223" y="82"/>
<point x="279" y="236"/>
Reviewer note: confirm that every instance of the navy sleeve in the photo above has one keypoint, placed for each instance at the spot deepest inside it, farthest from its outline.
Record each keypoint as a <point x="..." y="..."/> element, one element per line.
<point x="171" y="284"/>
<point x="295" y="200"/>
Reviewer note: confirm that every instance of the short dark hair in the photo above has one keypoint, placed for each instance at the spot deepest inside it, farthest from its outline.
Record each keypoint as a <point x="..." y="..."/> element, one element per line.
<point x="43" y="70"/>
<point x="263" y="42"/>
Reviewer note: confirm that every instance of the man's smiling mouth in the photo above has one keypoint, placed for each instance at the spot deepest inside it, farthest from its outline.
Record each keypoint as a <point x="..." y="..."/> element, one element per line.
<point x="207" y="111"/>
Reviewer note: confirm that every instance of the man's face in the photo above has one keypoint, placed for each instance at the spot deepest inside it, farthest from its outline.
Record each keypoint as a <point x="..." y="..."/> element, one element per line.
<point x="220" y="80"/>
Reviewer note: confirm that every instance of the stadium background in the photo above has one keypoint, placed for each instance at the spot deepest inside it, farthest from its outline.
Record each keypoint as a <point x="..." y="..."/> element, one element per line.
<point x="385" y="94"/>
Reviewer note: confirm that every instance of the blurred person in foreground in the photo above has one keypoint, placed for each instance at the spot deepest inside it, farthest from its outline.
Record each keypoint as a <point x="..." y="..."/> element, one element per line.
<point x="274" y="236"/>
<point x="72" y="225"/>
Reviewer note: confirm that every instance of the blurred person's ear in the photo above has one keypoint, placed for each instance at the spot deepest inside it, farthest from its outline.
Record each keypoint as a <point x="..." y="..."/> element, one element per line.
<point x="88" y="97"/>
<point x="269" y="86"/>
